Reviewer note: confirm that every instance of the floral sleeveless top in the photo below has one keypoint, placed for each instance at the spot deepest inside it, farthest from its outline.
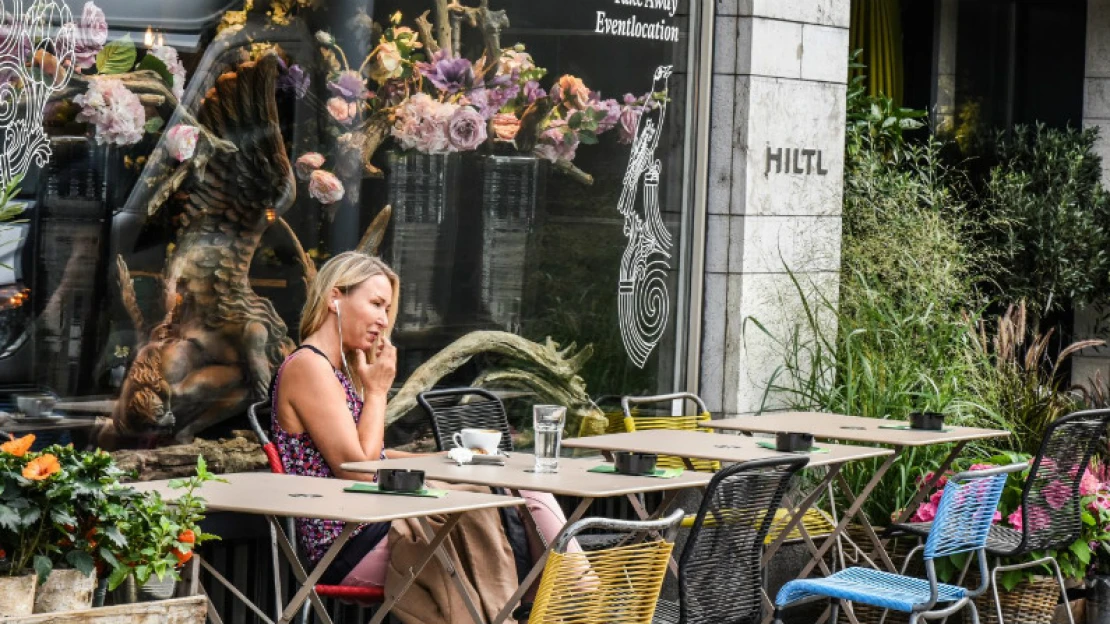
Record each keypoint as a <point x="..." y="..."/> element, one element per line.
<point x="299" y="456"/>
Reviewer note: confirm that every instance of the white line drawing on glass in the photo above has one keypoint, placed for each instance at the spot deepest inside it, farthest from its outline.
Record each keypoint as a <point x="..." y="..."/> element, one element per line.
<point x="25" y="87"/>
<point x="643" y="299"/>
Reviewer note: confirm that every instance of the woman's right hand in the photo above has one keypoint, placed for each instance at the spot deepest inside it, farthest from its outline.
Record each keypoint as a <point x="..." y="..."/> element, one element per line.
<point x="377" y="376"/>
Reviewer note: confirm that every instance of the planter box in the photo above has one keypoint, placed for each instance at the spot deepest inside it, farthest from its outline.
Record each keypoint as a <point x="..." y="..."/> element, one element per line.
<point x="192" y="610"/>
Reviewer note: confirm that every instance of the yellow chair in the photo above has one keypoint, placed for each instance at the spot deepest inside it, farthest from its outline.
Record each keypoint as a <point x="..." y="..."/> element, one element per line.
<point x="636" y="422"/>
<point x="618" y="585"/>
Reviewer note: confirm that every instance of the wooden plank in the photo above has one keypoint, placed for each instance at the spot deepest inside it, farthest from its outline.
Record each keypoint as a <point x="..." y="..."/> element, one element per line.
<point x="191" y="610"/>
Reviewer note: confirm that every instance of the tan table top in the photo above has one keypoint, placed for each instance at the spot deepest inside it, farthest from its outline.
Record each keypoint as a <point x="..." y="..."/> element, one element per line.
<point x="852" y="428"/>
<point x="573" y="478"/>
<point x="715" y="446"/>
<point x="271" y="494"/>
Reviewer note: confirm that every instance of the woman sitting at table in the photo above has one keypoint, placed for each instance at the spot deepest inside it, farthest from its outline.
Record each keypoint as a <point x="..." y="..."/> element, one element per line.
<point x="329" y="399"/>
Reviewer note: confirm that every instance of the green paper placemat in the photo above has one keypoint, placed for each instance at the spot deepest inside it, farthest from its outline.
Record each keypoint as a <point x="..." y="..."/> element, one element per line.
<point x="372" y="488"/>
<point x="909" y="428"/>
<point x="660" y="473"/>
<point x="771" y="447"/>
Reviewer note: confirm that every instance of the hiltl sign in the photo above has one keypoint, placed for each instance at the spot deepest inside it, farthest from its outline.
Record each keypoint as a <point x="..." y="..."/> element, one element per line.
<point x="795" y="160"/>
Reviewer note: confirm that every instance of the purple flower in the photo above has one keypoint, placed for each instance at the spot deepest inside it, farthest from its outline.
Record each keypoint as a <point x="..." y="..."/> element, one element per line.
<point x="533" y="91"/>
<point x="612" y="110"/>
<point x="466" y="130"/>
<point x="490" y="101"/>
<point x="557" y="142"/>
<point x="348" y="85"/>
<point x="296" y="80"/>
<point x="448" y="74"/>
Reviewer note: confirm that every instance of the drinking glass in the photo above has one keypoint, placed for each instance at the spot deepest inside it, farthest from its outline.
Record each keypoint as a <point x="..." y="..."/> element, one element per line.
<point x="548" y="422"/>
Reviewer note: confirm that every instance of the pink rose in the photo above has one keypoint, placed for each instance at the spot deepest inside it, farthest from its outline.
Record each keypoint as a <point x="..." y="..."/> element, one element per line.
<point x="505" y="126"/>
<point x="629" y="122"/>
<point x="342" y="111"/>
<point x="324" y="187"/>
<point x="181" y="141"/>
<point x="571" y="91"/>
<point x="1015" y="519"/>
<point x="92" y="34"/>
<point x="466" y="129"/>
<point x="308" y="163"/>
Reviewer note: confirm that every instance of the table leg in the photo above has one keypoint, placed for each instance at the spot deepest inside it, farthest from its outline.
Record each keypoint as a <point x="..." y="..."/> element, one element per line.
<point x="435" y="546"/>
<point x="308" y="581"/>
<point x="880" y="549"/>
<point x="453" y="574"/>
<point x="537" y="568"/>
<point x="929" y="484"/>
<point x="850" y="513"/>
<point x="799" y="513"/>
<point x="668" y="499"/>
<point x="235" y="592"/>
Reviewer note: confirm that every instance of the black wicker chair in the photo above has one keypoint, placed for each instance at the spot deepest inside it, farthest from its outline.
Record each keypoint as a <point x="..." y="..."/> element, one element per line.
<point x="453" y="410"/>
<point x="720" y="577"/>
<point x="1052" y="489"/>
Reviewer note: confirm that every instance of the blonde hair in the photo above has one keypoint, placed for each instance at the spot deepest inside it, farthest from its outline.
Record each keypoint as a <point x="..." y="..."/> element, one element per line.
<point x="344" y="272"/>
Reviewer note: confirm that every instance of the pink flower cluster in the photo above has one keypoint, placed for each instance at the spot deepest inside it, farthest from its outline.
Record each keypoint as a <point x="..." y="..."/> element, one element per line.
<point x="168" y="55"/>
<point x="114" y="110"/>
<point x="433" y="127"/>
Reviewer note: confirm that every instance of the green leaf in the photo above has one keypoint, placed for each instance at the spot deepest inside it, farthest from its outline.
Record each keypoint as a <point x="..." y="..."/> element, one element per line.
<point x="9" y="519"/>
<point x="43" y="567"/>
<point x="587" y="137"/>
<point x="114" y="535"/>
<point x="117" y="57"/>
<point x="1082" y="551"/>
<point x="154" y="124"/>
<point x="575" y="120"/>
<point x="1088" y="518"/>
<point x="118" y="576"/>
<point x="156" y="65"/>
<point x="62" y="516"/>
<point x="81" y="561"/>
<point x="142" y="573"/>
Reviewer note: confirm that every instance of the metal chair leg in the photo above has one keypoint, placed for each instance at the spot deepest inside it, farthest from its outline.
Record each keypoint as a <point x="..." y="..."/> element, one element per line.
<point x="994" y="594"/>
<point x="974" y="611"/>
<point x="1063" y="590"/>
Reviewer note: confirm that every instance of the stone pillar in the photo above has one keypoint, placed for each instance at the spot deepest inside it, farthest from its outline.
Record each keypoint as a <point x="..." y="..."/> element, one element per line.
<point x="945" y="97"/>
<point x="1096" y="113"/>
<point x="775" y="186"/>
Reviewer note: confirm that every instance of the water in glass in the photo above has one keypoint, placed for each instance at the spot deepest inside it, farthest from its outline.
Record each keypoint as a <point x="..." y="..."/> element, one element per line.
<point x="548" y="423"/>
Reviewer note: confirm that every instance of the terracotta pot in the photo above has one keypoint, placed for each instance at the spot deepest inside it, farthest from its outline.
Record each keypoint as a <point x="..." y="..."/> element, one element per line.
<point x="19" y="595"/>
<point x="65" y="590"/>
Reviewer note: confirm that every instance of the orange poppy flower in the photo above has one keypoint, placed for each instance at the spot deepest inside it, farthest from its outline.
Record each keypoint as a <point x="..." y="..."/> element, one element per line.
<point x="41" y="467"/>
<point x="18" y="447"/>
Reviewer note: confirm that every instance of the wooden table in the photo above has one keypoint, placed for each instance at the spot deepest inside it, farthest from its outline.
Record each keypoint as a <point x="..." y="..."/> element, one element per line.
<point x="573" y="479"/>
<point x="731" y="448"/>
<point x="862" y="429"/>
<point x="276" y="495"/>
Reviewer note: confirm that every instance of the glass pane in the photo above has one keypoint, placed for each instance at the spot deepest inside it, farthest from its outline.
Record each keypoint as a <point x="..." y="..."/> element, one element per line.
<point x="161" y="264"/>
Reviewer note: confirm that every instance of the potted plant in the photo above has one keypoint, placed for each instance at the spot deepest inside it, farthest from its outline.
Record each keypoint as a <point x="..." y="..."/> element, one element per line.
<point x="56" y="515"/>
<point x="159" y="538"/>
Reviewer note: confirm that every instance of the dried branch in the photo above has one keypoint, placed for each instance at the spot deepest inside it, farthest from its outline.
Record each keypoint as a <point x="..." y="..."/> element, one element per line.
<point x="568" y="168"/>
<point x="491" y="23"/>
<point x="376" y="131"/>
<point x="128" y="296"/>
<point x="372" y="239"/>
<point x="425" y="28"/>
<point x="443" y="26"/>
<point x="308" y="267"/>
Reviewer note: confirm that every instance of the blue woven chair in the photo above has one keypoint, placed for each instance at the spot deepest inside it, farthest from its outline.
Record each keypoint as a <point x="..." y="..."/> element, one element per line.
<point x="962" y="522"/>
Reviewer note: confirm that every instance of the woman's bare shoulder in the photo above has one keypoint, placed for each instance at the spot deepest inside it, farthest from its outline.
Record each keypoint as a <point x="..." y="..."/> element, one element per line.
<point x="307" y="372"/>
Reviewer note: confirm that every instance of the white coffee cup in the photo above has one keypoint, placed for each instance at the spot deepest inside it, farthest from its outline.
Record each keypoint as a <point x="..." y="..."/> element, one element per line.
<point x="483" y="439"/>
